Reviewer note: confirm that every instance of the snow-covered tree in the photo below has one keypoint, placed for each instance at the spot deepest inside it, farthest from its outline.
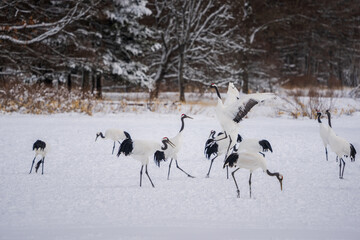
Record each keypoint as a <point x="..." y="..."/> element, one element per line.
<point x="52" y="39"/>
<point x="193" y="37"/>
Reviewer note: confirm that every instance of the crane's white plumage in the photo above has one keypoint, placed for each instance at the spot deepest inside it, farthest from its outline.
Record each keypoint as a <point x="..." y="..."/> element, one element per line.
<point x="253" y="145"/>
<point x="250" y="161"/>
<point x="342" y="148"/>
<point x="324" y="131"/>
<point x="232" y="95"/>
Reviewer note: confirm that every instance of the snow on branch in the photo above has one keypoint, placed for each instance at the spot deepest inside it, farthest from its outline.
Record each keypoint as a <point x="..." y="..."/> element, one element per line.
<point x="53" y="28"/>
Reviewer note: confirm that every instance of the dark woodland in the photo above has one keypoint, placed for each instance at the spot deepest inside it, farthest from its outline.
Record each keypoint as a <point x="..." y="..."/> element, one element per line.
<point x="168" y="45"/>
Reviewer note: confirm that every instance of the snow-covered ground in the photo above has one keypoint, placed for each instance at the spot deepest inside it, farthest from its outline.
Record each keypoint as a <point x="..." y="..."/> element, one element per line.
<point x="87" y="193"/>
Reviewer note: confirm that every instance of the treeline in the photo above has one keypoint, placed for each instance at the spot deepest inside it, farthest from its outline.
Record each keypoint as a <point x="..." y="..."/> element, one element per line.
<point x="126" y="45"/>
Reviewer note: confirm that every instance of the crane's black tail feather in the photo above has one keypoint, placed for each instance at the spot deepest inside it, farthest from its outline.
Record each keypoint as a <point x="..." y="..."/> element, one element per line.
<point x="159" y="156"/>
<point x="231" y="160"/>
<point x="39" y="145"/>
<point x="352" y="152"/>
<point x="265" y="145"/>
<point x="211" y="147"/>
<point x="126" y="147"/>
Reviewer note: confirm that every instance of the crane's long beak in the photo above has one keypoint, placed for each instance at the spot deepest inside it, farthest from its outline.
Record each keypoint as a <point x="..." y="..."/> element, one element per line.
<point x="280" y="180"/>
<point x="171" y="144"/>
<point x="189" y="117"/>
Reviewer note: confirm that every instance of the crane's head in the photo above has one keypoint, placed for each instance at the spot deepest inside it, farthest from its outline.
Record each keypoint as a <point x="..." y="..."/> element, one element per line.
<point x="239" y="138"/>
<point x="212" y="134"/>
<point x="213" y="85"/>
<point x="167" y="140"/>
<point x="280" y="178"/>
<point x="185" y="116"/>
<point x="99" y="134"/>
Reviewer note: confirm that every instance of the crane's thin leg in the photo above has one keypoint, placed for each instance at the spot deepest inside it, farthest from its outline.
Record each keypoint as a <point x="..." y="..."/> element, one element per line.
<point x="141" y="170"/>
<point x="177" y="165"/>
<point x="237" y="187"/>
<point x="113" y="148"/>
<point x="32" y="165"/>
<point x="169" y="169"/>
<point x="212" y="160"/>
<point x="250" y="183"/>
<point x="226" y="155"/>
<point x="326" y="152"/>
<point x="336" y="158"/>
<point x="38" y="165"/>
<point x="343" y="168"/>
<point x="42" y="169"/>
<point x="227" y="152"/>
<point x="148" y="175"/>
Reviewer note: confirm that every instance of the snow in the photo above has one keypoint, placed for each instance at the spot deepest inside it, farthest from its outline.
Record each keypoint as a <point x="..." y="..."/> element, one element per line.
<point x="87" y="193"/>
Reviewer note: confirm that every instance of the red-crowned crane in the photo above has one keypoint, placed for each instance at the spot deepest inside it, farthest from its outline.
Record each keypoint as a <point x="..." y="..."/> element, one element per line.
<point x="215" y="146"/>
<point x="250" y="161"/>
<point x="141" y="150"/>
<point x="40" y="148"/>
<point x="171" y="153"/>
<point x="114" y="134"/>
<point x="230" y="114"/>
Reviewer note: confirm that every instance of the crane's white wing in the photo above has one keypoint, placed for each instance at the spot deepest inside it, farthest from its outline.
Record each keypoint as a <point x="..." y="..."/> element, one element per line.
<point x="232" y="95"/>
<point x="239" y="108"/>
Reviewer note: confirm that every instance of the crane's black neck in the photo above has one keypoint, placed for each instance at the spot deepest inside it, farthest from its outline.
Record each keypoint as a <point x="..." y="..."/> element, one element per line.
<point x="101" y="135"/>
<point x="217" y="91"/>
<point x="165" y="146"/>
<point x="127" y="135"/>
<point x="239" y="138"/>
<point x="273" y="174"/>
<point x="182" y="124"/>
<point x="278" y="176"/>
<point x="318" y="117"/>
<point x="329" y="118"/>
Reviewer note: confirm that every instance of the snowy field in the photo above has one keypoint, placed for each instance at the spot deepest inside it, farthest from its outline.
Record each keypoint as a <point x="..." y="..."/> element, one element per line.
<point x="87" y="193"/>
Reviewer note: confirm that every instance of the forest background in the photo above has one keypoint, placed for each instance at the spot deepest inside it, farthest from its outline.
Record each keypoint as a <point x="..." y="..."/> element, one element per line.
<point x="62" y="55"/>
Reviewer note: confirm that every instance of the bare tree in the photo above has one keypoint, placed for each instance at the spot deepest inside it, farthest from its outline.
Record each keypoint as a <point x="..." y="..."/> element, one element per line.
<point x="193" y="35"/>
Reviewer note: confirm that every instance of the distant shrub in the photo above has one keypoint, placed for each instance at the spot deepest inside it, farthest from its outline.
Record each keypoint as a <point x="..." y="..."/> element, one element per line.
<point x="305" y="102"/>
<point x="40" y="99"/>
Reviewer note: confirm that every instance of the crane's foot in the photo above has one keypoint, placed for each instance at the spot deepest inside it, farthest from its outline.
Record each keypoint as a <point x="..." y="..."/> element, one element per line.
<point x="190" y="176"/>
<point x="238" y="193"/>
<point x="207" y="176"/>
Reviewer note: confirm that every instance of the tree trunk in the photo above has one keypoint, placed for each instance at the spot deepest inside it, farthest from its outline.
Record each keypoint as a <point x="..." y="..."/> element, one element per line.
<point x="69" y="83"/>
<point x="93" y="82"/>
<point x="155" y="92"/>
<point x="98" y="86"/>
<point x="85" y="81"/>
<point x="245" y="74"/>
<point x="181" y="73"/>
